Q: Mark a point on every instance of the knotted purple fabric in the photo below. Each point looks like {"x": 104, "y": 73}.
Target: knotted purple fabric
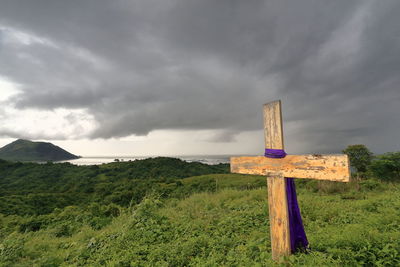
{"x": 275, "y": 153}
{"x": 298, "y": 238}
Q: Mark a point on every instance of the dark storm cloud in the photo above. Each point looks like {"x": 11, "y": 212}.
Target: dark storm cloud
{"x": 35, "y": 136}
{"x": 139, "y": 66}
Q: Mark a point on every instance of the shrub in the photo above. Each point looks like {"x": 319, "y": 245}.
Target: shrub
{"x": 387, "y": 167}
{"x": 370, "y": 184}
{"x": 31, "y": 225}
{"x": 63, "y": 230}
{"x": 360, "y": 156}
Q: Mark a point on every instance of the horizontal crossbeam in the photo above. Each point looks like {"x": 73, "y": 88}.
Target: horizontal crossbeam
{"x": 319, "y": 167}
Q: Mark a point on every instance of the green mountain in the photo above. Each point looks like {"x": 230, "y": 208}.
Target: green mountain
{"x": 25, "y": 150}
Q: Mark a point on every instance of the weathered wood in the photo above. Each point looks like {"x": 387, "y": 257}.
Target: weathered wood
{"x": 277, "y": 199}
{"x": 273, "y": 129}
{"x": 319, "y": 167}
{"x": 278, "y": 217}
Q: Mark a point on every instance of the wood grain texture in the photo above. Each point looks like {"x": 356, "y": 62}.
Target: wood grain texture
{"x": 277, "y": 199}
{"x": 273, "y": 129}
{"x": 319, "y": 167}
{"x": 278, "y": 217}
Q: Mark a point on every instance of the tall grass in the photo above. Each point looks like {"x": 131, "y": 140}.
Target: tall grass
{"x": 347, "y": 225}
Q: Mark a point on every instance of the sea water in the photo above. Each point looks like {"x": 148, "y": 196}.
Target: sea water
{"x": 96, "y": 160}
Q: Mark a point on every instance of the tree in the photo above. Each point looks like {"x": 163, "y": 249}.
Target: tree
{"x": 387, "y": 166}
{"x": 360, "y": 157}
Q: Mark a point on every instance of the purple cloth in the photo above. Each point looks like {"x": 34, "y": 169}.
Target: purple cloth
{"x": 298, "y": 238}
{"x": 275, "y": 153}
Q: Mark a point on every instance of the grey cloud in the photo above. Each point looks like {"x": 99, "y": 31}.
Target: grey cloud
{"x": 33, "y": 136}
{"x": 139, "y": 66}
{"x": 224, "y": 136}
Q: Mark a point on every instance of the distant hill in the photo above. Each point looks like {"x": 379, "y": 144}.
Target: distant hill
{"x": 25, "y": 150}
{"x": 32, "y": 188}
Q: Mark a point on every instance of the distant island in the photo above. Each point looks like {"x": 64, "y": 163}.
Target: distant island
{"x": 25, "y": 150}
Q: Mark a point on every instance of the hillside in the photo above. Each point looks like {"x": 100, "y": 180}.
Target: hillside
{"x": 227, "y": 227}
{"x": 167, "y": 212}
{"x": 31, "y": 188}
{"x": 25, "y": 150}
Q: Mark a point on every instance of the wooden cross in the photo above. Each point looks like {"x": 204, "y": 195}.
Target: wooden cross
{"x": 320, "y": 167}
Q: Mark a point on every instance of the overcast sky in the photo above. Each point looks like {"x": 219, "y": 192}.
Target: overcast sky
{"x": 170, "y": 77}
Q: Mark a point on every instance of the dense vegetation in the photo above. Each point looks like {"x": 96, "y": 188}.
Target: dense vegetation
{"x": 167, "y": 212}
{"x": 25, "y": 150}
{"x": 31, "y": 188}
{"x": 384, "y": 167}
{"x": 360, "y": 157}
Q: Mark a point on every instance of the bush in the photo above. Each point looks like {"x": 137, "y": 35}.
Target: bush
{"x": 63, "y": 230}
{"x": 31, "y": 225}
{"x": 386, "y": 167}
{"x": 360, "y": 157}
{"x": 370, "y": 184}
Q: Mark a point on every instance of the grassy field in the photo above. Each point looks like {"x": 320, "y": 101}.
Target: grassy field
{"x": 356, "y": 224}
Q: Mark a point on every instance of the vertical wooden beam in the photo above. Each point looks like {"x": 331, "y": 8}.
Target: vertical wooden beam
{"x": 277, "y": 199}
{"x": 273, "y": 129}
{"x": 278, "y": 217}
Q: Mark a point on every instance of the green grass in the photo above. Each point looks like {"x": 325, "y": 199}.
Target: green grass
{"x": 228, "y": 180}
{"x": 354, "y": 224}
